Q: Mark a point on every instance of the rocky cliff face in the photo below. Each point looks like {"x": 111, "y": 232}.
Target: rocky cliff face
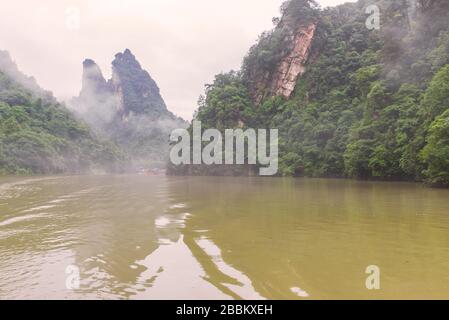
{"x": 280, "y": 80}
{"x": 294, "y": 64}
{"x": 96, "y": 101}
{"x": 93, "y": 80}
{"x": 130, "y": 91}
{"x": 137, "y": 91}
{"x": 128, "y": 108}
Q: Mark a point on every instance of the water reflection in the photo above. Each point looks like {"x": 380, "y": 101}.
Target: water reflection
{"x": 221, "y": 238}
{"x": 300, "y": 239}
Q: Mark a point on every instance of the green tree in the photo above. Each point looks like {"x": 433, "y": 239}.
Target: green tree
{"x": 436, "y": 153}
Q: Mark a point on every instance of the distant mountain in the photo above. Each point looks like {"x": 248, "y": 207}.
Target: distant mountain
{"x": 127, "y": 108}
{"x": 39, "y": 135}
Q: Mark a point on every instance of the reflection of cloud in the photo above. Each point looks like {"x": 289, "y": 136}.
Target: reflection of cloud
{"x": 299, "y": 292}
{"x": 174, "y": 273}
{"x": 162, "y": 222}
{"x": 245, "y": 288}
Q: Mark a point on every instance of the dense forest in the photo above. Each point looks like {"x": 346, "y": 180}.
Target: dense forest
{"x": 40, "y": 136}
{"x": 371, "y": 103}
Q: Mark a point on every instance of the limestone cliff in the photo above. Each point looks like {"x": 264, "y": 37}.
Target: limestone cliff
{"x": 93, "y": 80}
{"x": 128, "y": 108}
{"x": 137, "y": 91}
{"x": 279, "y": 78}
{"x": 131, "y": 90}
{"x": 294, "y": 65}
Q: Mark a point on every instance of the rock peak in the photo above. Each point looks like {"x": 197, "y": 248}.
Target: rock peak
{"x": 93, "y": 80}
{"x": 139, "y": 92}
{"x": 126, "y": 55}
{"x": 130, "y": 91}
{"x": 127, "y": 108}
{"x": 88, "y": 63}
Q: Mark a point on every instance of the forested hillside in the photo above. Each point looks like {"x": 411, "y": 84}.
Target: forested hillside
{"x": 348, "y": 101}
{"x": 40, "y": 136}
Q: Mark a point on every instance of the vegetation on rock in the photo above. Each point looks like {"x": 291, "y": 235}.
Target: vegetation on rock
{"x": 371, "y": 104}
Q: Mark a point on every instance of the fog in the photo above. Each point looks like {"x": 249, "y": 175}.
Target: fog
{"x": 182, "y": 44}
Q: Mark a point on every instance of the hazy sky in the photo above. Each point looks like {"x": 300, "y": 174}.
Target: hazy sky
{"x": 181, "y": 43}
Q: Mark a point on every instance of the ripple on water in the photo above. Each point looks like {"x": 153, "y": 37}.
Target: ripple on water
{"x": 39, "y": 208}
{"x": 16, "y": 189}
{"x": 172, "y": 220}
{"x": 22, "y": 218}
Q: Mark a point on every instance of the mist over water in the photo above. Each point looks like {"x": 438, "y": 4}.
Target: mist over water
{"x": 143, "y": 237}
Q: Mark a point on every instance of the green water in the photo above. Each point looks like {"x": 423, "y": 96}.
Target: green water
{"x": 137, "y": 237}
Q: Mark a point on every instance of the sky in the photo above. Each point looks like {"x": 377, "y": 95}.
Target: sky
{"x": 181, "y": 43}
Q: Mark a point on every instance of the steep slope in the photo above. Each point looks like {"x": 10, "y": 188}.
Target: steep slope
{"x": 275, "y": 63}
{"x": 138, "y": 92}
{"x": 128, "y": 109}
{"x": 9, "y": 68}
{"x": 38, "y": 135}
{"x": 348, "y": 101}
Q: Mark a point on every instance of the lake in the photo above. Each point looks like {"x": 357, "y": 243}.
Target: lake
{"x": 138, "y": 237}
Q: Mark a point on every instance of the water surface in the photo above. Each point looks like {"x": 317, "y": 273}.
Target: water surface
{"x": 137, "y": 237}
